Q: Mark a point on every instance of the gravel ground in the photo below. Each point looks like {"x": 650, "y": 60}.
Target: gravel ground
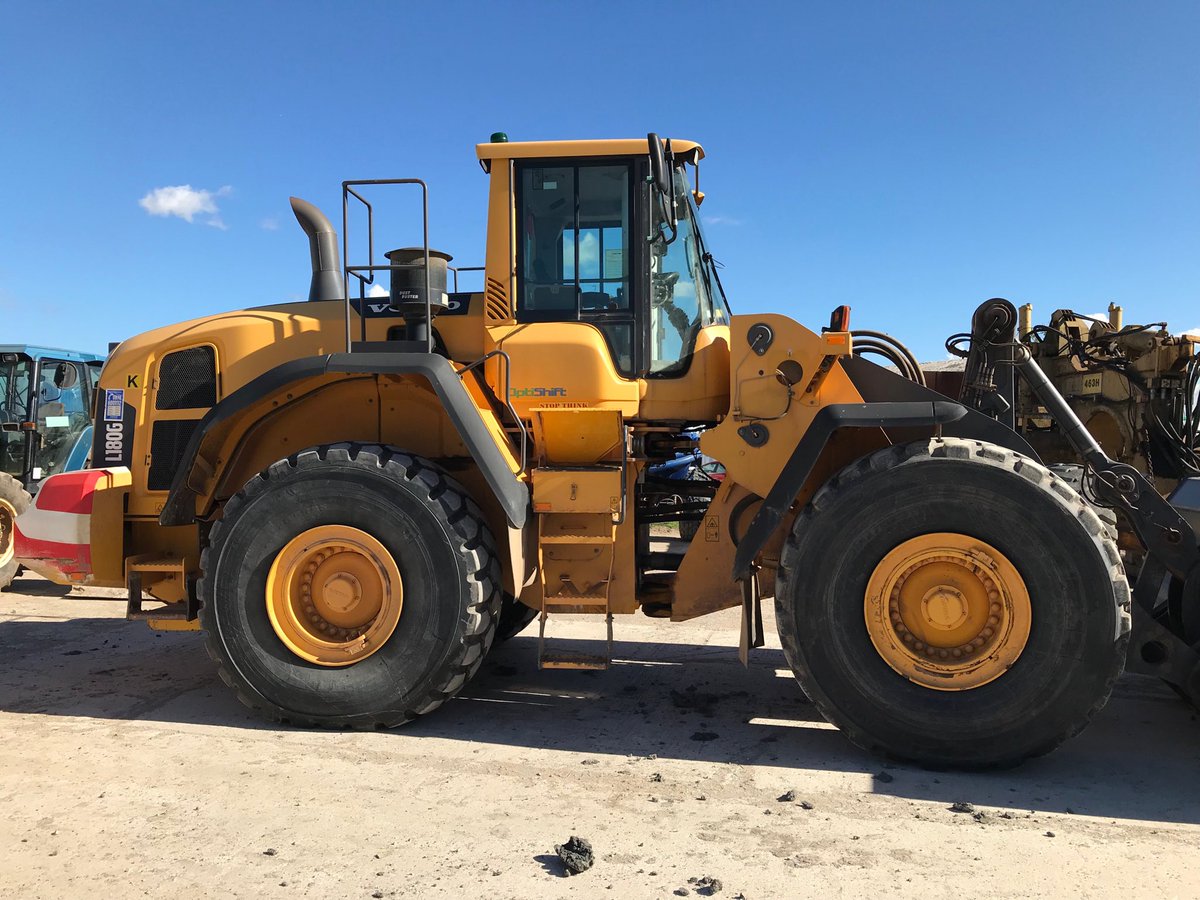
{"x": 127, "y": 769}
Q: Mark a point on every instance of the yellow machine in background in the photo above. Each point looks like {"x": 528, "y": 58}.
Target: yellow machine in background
{"x": 1133, "y": 386}
{"x": 353, "y": 496}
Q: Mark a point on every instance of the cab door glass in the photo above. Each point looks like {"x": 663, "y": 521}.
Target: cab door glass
{"x": 61, "y": 417}
{"x": 573, "y": 250}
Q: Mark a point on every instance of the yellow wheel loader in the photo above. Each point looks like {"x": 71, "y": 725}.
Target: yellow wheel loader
{"x": 352, "y": 496}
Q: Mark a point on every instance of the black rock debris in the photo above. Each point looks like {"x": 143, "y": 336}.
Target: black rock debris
{"x": 576, "y": 854}
{"x": 706, "y": 885}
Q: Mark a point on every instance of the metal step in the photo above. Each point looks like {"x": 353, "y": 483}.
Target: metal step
{"x": 138, "y": 566}
{"x": 565, "y": 538}
{"x": 571, "y": 659}
{"x": 591, "y": 598}
{"x": 570, "y": 608}
{"x": 568, "y": 659}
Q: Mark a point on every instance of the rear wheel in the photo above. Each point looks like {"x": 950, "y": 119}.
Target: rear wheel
{"x": 954, "y": 604}
{"x": 14, "y": 500}
{"x": 349, "y": 586}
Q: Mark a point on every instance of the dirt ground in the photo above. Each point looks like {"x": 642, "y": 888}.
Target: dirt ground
{"x": 127, "y": 769}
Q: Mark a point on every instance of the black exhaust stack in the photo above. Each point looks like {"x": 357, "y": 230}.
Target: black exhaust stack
{"x": 327, "y": 281}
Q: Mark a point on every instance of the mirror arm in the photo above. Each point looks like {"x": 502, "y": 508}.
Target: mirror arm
{"x": 670, "y": 161}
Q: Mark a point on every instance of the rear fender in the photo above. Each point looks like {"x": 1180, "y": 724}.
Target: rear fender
{"x": 228, "y": 429}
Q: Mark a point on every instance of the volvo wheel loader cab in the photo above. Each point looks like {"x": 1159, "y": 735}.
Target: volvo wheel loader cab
{"x": 349, "y": 494}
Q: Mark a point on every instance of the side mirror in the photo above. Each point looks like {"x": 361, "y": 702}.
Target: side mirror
{"x": 658, "y": 164}
{"x": 65, "y": 376}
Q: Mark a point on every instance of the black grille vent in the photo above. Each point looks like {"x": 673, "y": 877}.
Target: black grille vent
{"x": 187, "y": 379}
{"x": 167, "y": 444}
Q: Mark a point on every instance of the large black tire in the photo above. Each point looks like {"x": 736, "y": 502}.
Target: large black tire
{"x": 688, "y": 529}
{"x": 447, "y": 560}
{"x": 1073, "y": 475}
{"x": 15, "y": 496}
{"x": 1079, "y": 603}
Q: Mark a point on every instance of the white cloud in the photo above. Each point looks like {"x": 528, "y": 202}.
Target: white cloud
{"x": 589, "y": 252}
{"x": 721, "y": 220}
{"x": 186, "y": 202}
{"x": 1192, "y": 333}
{"x": 377, "y": 290}
{"x": 270, "y": 223}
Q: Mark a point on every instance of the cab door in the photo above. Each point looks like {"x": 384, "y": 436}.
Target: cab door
{"x": 580, "y": 282}
{"x": 63, "y": 424}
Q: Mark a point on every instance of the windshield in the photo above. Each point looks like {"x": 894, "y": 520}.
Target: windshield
{"x": 682, "y": 285}
{"x": 721, "y": 312}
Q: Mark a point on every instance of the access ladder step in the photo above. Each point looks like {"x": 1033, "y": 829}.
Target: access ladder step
{"x": 137, "y": 567}
{"x": 565, "y": 538}
{"x": 555, "y": 658}
{"x": 566, "y": 659}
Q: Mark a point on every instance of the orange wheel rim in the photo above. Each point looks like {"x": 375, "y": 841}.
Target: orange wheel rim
{"x": 8, "y": 520}
{"x": 334, "y": 595}
{"x": 948, "y": 611}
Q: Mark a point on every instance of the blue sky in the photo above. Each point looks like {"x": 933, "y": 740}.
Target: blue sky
{"x": 908, "y": 159}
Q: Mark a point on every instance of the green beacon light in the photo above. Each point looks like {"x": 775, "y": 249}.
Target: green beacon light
{"x": 499, "y": 137}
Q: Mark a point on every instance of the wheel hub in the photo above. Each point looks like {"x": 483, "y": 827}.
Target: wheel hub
{"x": 343, "y": 592}
{"x": 334, "y": 595}
{"x": 944, "y": 607}
{"x": 947, "y": 611}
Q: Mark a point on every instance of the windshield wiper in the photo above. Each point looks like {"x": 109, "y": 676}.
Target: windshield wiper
{"x": 712, "y": 265}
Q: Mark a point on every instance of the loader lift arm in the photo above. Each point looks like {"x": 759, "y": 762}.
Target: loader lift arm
{"x": 1161, "y": 643}
{"x": 1170, "y": 542}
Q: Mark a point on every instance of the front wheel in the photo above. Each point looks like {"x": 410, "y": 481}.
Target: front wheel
{"x": 349, "y": 585}
{"x": 14, "y": 500}
{"x": 954, "y": 604}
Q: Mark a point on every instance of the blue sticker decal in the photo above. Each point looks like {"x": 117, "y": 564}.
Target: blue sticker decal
{"x": 114, "y": 404}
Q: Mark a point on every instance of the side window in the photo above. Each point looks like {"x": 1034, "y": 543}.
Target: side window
{"x": 62, "y": 416}
{"x": 573, "y": 249}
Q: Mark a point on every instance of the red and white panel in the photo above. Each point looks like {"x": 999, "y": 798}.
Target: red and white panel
{"x": 54, "y": 536}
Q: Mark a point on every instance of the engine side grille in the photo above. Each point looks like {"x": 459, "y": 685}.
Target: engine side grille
{"x": 187, "y": 379}
{"x": 167, "y": 443}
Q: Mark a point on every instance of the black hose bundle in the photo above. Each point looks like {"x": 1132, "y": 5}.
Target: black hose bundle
{"x": 879, "y": 344}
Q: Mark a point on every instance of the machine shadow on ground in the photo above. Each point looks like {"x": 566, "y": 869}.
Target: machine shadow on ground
{"x": 692, "y": 703}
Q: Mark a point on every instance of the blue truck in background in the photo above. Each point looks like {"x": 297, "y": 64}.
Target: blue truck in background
{"x": 47, "y": 398}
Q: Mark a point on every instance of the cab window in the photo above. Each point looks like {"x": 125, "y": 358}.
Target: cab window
{"x": 62, "y": 416}
{"x": 573, "y": 249}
